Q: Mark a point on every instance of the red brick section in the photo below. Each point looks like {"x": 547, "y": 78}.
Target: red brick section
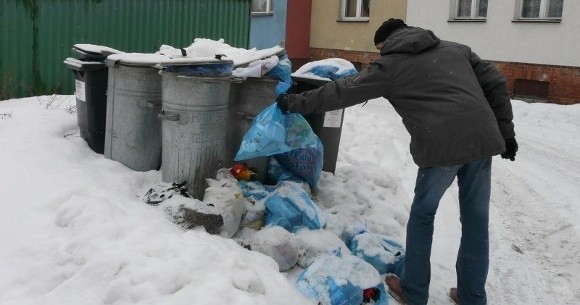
{"x": 564, "y": 81}
{"x": 564, "y": 87}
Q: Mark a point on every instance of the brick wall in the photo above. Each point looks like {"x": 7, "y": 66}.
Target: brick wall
{"x": 563, "y": 87}
{"x": 563, "y": 82}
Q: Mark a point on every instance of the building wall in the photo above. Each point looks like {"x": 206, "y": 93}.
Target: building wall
{"x": 525, "y": 52}
{"x": 267, "y": 31}
{"x": 562, "y": 82}
{"x": 328, "y": 33}
{"x": 298, "y": 32}
{"x": 501, "y": 39}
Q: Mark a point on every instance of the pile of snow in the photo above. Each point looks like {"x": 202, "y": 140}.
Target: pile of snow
{"x": 340, "y": 67}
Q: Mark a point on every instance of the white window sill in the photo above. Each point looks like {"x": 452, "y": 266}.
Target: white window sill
{"x": 467, "y": 20}
{"x": 538, "y": 20}
{"x": 353, "y": 19}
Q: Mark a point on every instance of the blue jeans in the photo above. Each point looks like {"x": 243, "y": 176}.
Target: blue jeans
{"x": 474, "y": 181}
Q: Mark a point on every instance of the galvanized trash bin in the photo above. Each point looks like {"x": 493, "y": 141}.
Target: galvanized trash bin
{"x": 247, "y": 99}
{"x": 327, "y": 126}
{"x": 133, "y": 132}
{"x": 194, "y": 128}
{"x": 91, "y": 75}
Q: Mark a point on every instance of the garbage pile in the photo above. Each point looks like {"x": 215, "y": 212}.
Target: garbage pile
{"x": 280, "y": 219}
{"x": 232, "y": 163}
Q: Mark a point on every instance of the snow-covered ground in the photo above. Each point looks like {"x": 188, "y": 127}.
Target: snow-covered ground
{"x": 74, "y": 230}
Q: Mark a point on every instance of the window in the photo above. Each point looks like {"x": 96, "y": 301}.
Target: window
{"x": 261, "y": 7}
{"x": 462, "y": 10}
{"x": 539, "y": 9}
{"x": 355, "y": 10}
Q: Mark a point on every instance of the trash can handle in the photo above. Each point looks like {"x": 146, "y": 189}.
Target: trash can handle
{"x": 149, "y": 104}
{"x": 168, "y": 117}
{"x": 237, "y": 79}
{"x": 244, "y": 116}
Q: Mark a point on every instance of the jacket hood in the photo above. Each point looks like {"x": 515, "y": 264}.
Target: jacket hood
{"x": 409, "y": 40}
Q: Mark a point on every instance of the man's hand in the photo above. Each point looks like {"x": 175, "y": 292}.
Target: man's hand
{"x": 511, "y": 147}
{"x": 282, "y": 101}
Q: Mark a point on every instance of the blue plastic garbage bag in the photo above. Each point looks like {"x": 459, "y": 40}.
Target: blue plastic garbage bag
{"x": 278, "y": 173}
{"x": 266, "y": 136}
{"x": 381, "y": 251}
{"x": 307, "y": 159}
{"x": 335, "y": 280}
{"x": 331, "y": 72}
{"x": 275, "y": 133}
{"x": 255, "y": 190}
{"x": 304, "y": 162}
{"x": 282, "y": 71}
{"x": 290, "y": 207}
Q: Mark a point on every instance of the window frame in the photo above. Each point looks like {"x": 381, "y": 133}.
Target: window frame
{"x": 454, "y": 12}
{"x": 542, "y": 15}
{"x": 269, "y": 9}
{"x": 342, "y": 13}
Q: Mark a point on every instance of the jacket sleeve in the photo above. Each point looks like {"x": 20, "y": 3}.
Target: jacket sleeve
{"x": 367, "y": 84}
{"x": 495, "y": 90}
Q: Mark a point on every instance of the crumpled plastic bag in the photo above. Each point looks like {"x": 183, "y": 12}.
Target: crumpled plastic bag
{"x": 266, "y": 136}
{"x": 332, "y": 72}
{"x": 278, "y": 173}
{"x": 290, "y": 207}
{"x": 282, "y": 71}
{"x": 335, "y": 280}
{"x": 383, "y": 252}
{"x": 289, "y": 137}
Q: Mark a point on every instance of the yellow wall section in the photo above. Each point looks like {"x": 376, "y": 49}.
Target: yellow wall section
{"x": 328, "y": 33}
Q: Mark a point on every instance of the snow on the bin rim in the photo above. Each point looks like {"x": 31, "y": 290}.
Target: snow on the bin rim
{"x": 207, "y": 49}
{"x": 343, "y": 65}
{"x": 137, "y": 59}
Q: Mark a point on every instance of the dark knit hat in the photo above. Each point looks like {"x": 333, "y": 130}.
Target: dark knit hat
{"x": 387, "y": 28}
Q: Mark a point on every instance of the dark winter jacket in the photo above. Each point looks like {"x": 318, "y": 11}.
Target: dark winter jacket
{"x": 454, "y": 105}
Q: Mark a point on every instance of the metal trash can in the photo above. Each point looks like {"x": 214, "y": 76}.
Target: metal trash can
{"x": 194, "y": 128}
{"x": 247, "y": 99}
{"x": 133, "y": 131}
{"x": 327, "y": 126}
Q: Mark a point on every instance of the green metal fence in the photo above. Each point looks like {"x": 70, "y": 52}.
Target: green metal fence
{"x": 37, "y": 35}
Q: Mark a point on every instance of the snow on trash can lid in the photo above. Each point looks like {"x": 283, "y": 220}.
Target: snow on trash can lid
{"x": 136, "y": 59}
{"x": 326, "y": 69}
{"x": 94, "y": 51}
{"x": 207, "y": 48}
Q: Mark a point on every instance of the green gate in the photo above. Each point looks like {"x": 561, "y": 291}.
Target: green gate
{"x": 37, "y": 35}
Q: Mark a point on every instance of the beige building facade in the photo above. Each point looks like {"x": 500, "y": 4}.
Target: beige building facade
{"x": 345, "y": 28}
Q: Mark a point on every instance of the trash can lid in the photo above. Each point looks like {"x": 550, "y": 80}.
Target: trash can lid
{"x": 91, "y": 51}
{"x": 197, "y": 61}
{"x": 136, "y": 59}
{"x": 201, "y": 67}
{"x": 83, "y": 65}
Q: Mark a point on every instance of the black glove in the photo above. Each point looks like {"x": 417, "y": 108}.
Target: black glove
{"x": 282, "y": 101}
{"x": 511, "y": 147}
